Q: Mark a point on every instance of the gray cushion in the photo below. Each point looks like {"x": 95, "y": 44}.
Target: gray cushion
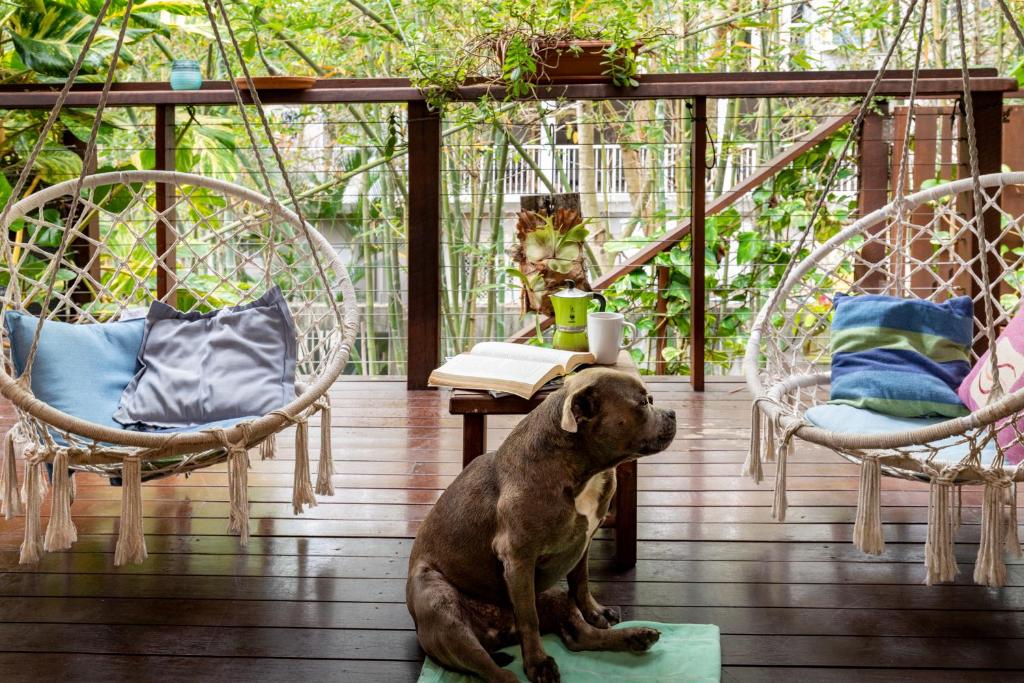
{"x": 204, "y": 367}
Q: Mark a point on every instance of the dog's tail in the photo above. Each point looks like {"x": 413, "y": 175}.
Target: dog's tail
{"x": 502, "y": 659}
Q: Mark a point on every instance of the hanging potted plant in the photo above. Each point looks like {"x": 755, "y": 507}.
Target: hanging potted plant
{"x": 523, "y": 47}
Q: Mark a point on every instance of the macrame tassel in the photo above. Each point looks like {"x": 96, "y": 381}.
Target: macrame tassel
{"x": 989, "y": 568}
{"x": 238, "y": 494}
{"x": 779, "y": 504}
{"x": 60, "y": 532}
{"x": 10, "y": 497}
{"x": 867, "y": 529}
{"x": 325, "y": 470}
{"x": 268, "y": 449}
{"x": 939, "y": 555}
{"x": 769, "y": 440}
{"x": 1012, "y": 532}
{"x": 32, "y": 546}
{"x": 131, "y": 542}
{"x": 302, "y": 487}
{"x": 958, "y": 508}
{"x": 752, "y": 465}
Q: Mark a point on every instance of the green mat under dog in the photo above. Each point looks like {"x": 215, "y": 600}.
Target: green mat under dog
{"x": 685, "y": 652}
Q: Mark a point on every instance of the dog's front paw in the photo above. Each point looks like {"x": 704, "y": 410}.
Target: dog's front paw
{"x": 543, "y": 671}
{"x": 600, "y": 616}
{"x": 641, "y": 639}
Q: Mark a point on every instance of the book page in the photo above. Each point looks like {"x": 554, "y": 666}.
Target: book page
{"x": 473, "y": 371}
{"x": 564, "y": 359}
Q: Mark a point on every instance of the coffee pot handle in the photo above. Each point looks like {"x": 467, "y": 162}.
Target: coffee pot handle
{"x": 602, "y": 302}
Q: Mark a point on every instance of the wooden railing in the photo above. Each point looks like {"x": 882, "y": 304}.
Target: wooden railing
{"x": 424, "y": 156}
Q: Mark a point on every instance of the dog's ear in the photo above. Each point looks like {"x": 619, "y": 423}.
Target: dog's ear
{"x": 579, "y": 406}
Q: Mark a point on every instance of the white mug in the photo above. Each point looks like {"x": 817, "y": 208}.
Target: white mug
{"x": 604, "y": 334}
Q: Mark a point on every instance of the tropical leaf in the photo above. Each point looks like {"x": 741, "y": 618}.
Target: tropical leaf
{"x": 50, "y": 42}
{"x": 56, "y": 164}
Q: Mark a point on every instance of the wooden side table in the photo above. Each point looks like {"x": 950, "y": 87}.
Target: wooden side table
{"x": 475, "y": 406}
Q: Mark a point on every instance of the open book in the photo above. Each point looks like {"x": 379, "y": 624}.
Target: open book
{"x": 514, "y": 368}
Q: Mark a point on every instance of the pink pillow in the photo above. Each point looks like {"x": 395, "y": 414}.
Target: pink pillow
{"x": 976, "y": 388}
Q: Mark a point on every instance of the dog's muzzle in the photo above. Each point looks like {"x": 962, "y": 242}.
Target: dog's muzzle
{"x": 666, "y": 433}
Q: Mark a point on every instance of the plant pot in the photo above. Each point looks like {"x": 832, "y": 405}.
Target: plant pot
{"x": 570, "y": 60}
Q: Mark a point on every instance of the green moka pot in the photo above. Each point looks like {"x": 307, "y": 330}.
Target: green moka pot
{"x": 571, "y": 306}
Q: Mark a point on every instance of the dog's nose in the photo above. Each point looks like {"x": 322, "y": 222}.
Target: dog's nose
{"x": 671, "y": 414}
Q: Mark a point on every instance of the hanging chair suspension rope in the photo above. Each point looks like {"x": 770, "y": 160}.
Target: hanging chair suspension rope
{"x": 76, "y": 196}
{"x": 858, "y": 121}
{"x": 904, "y": 167}
{"x": 44, "y": 133}
{"x": 979, "y": 207}
{"x": 268, "y": 131}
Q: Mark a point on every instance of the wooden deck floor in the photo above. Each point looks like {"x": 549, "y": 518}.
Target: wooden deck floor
{"x": 320, "y": 597}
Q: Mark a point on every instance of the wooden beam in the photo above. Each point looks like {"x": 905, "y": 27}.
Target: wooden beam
{"x": 698, "y": 245}
{"x": 424, "y": 212}
{"x": 656, "y": 86}
{"x": 873, "y": 181}
{"x": 166, "y": 233}
{"x": 83, "y": 248}
{"x": 661, "y": 325}
{"x": 988, "y": 124}
{"x": 672, "y": 238}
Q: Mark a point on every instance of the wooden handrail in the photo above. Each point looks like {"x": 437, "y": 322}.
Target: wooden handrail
{"x": 936, "y": 83}
{"x": 672, "y": 238}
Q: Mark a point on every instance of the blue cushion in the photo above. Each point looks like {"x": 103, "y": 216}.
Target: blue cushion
{"x": 849, "y": 420}
{"x": 78, "y": 369}
{"x": 903, "y": 357}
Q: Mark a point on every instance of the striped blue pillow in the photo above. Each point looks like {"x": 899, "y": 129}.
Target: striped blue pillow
{"x": 903, "y": 357}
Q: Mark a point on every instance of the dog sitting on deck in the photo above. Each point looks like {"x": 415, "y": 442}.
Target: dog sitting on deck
{"x": 486, "y": 561}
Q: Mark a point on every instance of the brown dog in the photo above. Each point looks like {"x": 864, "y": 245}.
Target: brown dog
{"x": 485, "y": 563}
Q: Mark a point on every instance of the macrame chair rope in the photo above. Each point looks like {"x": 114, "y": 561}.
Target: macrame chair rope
{"x": 331, "y": 301}
{"x": 788, "y": 352}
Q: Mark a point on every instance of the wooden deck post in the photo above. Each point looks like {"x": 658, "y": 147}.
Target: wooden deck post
{"x": 424, "y": 318}
{"x": 661, "y": 281}
{"x": 166, "y": 235}
{"x": 873, "y": 183}
{"x": 988, "y": 124}
{"x": 83, "y": 249}
{"x": 698, "y": 188}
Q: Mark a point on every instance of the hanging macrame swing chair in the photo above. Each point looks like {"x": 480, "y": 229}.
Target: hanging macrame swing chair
{"x": 938, "y": 243}
{"x": 229, "y": 243}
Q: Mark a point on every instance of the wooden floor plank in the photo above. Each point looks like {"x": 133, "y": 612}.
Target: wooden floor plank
{"x": 321, "y": 596}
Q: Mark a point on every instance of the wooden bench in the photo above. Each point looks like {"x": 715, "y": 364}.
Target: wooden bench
{"x": 475, "y": 406}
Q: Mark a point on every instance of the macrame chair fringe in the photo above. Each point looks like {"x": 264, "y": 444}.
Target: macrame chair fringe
{"x": 32, "y": 545}
{"x": 867, "y": 529}
{"x": 131, "y": 542}
{"x": 268, "y": 448}
{"x": 238, "y": 493}
{"x": 61, "y": 531}
{"x": 325, "y": 470}
{"x": 752, "y": 465}
{"x": 302, "y": 486}
{"x": 779, "y": 501}
{"x": 989, "y": 568}
{"x": 939, "y": 554}
{"x": 1012, "y": 531}
{"x": 10, "y": 496}
{"x": 769, "y": 441}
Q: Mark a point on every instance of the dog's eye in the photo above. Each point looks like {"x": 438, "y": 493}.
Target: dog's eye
{"x": 647, "y": 400}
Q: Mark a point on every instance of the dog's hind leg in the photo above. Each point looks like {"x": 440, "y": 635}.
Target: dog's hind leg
{"x": 445, "y": 632}
{"x": 559, "y": 614}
